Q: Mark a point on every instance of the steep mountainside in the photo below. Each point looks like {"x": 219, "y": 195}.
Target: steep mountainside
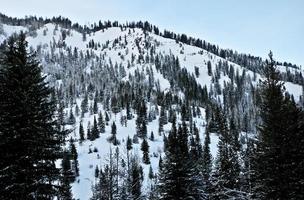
{"x": 118, "y": 71}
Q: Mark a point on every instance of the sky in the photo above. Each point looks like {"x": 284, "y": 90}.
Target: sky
{"x": 248, "y": 26}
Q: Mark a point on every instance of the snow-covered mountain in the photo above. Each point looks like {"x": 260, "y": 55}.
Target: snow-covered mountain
{"x": 121, "y": 60}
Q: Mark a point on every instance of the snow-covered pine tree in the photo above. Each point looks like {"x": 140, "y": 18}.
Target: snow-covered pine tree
{"x": 227, "y": 173}
{"x": 279, "y": 143}
{"x": 30, "y": 140}
{"x": 101, "y": 123}
{"x": 145, "y": 150}
{"x": 178, "y": 178}
{"x": 81, "y": 133}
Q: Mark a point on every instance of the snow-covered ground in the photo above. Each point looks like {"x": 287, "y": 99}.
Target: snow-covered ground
{"x": 189, "y": 57}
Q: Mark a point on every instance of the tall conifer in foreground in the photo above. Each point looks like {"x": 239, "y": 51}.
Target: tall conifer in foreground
{"x": 280, "y": 144}
{"x": 30, "y": 142}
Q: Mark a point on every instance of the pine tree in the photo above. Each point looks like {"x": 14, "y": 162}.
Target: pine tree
{"x": 113, "y": 137}
{"x": 96, "y": 174}
{"x": 102, "y": 189}
{"x": 151, "y": 174}
{"x": 248, "y": 155}
{"x": 160, "y": 127}
{"x": 74, "y": 157}
{"x": 152, "y": 136}
{"x": 178, "y": 177}
{"x": 209, "y": 68}
{"x": 107, "y": 118}
{"x": 65, "y": 191}
{"x": 145, "y": 149}
{"x": 95, "y": 131}
{"x": 268, "y": 169}
{"x": 206, "y": 165}
{"x": 61, "y": 114}
{"x": 81, "y": 133}
{"x": 185, "y": 112}
{"x": 89, "y": 135}
{"x": 163, "y": 116}
{"x": 71, "y": 119}
{"x": 295, "y": 166}
{"x": 128, "y": 110}
{"x": 95, "y": 107}
{"x": 141, "y": 126}
{"x": 160, "y": 163}
{"x": 77, "y": 110}
{"x": 30, "y": 140}
{"x": 84, "y": 105}
{"x": 277, "y": 158}
{"x": 129, "y": 143}
{"x": 136, "y": 181}
{"x": 195, "y": 144}
{"x": 129, "y": 147}
{"x": 101, "y": 123}
{"x": 227, "y": 173}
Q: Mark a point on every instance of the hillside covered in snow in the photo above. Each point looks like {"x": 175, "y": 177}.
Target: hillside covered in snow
{"x": 116, "y": 83}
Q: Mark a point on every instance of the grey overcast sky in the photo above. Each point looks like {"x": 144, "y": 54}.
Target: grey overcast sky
{"x": 248, "y": 26}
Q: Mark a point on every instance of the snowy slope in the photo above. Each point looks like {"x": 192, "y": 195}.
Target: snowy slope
{"x": 189, "y": 57}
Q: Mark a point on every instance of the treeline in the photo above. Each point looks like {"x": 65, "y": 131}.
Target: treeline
{"x": 248, "y": 61}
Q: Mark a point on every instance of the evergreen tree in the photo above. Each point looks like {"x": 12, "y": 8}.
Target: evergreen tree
{"x": 113, "y": 137}
{"x": 195, "y": 144}
{"x": 95, "y": 131}
{"x": 277, "y": 156}
{"x": 227, "y": 173}
{"x": 84, "y": 105}
{"x": 268, "y": 169}
{"x": 77, "y": 110}
{"x": 95, "y": 107}
{"x": 30, "y": 140}
{"x": 295, "y": 163}
{"x": 129, "y": 147}
{"x": 61, "y": 114}
{"x": 141, "y": 126}
{"x": 160, "y": 126}
{"x": 151, "y": 174}
{"x": 209, "y": 68}
{"x": 160, "y": 163}
{"x": 185, "y": 112}
{"x": 206, "y": 165}
{"x": 247, "y": 177}
{"x": 129, "y": 143}
{"x": 81, "y": 133}
{"x": 101, "y": 123}
{"x": 89, "y": 135}
{"x": 107, "y": 118}
{"x": 178, "y": 179}
{"x": 135, "y": 179}
{"x": 102, "y": 190}
{"x": 65, "y": 192}
{"x": 162, "y": 119}
{"x": 74, "y": 157}
{"x": 128, "y": 110}
{"x": 71, "y": 119}
{"x": 96, "y": 172}
{"x": 145, "y": 149}
{"x": 152, "y": 136}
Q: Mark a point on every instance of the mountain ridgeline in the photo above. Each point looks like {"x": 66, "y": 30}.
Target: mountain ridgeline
{"x": 130, "y": 112}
